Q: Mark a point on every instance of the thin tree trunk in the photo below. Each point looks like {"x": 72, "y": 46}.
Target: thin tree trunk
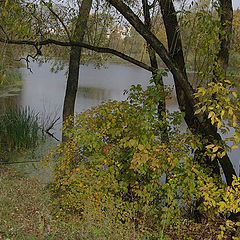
{"x": 74, "y": 62}
{"x": 154, "y": 64}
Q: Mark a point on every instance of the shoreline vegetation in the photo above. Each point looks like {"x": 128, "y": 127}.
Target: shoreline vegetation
{"x": 10, "y": 78}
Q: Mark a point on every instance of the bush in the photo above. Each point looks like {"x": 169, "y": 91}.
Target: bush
{"x": 114, "y": 163}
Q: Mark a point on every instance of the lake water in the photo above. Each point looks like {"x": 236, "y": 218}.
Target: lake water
{"x": 44, "y": 90}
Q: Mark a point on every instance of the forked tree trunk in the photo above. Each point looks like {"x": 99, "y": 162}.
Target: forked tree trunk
{"x": 199, "y": 123}
{"x": 74, "y": 62}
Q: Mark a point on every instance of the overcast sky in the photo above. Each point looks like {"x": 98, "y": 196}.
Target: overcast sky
{"x": 236, "y": 4}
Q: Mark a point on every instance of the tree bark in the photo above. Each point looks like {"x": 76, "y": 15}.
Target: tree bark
{"x": 74, "y": 62}
{"x": 199, "y": 123}
{"x": 226, "y": 35}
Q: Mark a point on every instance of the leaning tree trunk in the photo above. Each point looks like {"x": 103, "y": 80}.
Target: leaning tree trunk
{"x": 199, "y": 123}
{"x": 74, "y": 62}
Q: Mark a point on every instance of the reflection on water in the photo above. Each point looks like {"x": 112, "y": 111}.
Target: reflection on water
{"x": 99, "y": 94}
{"x": 5, "y": 102}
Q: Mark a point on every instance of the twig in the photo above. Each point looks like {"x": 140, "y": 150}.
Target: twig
{"x": 4, "y": 32}
{"x": 52, "y": 125}
{"x": 38, "y": 53}
{"x": 59, "y": 19}
{"x": 50, "y": 134}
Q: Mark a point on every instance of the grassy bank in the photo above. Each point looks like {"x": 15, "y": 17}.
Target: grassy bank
{"x": 25, "y": 213}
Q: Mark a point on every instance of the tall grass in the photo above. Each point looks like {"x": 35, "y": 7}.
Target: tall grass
{"x": 19, "y": 128}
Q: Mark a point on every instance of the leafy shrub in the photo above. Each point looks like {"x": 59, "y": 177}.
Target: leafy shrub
{"x": 114, "y": 163}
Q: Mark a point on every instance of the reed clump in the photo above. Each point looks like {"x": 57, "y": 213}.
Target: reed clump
{"x": 19, "y": 129}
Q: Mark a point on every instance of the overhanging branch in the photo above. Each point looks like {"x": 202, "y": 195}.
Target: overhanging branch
{"x": 83, "y": 45}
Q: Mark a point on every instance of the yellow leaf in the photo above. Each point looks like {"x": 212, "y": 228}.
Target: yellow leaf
{"x": 223, "y": 154}
{"x": 210, "y": 146}
{"x": 238, "y": 224}
{"x": 234, "y": 121}
{"x": 234, "y": 147}
{"x": 219, "y": 124}
{"x": 227, "y": 81}
{"x": 234, "y": 118}
{"x": 6, "y": 3}
{"x": 222, "y": 113}
{"x": 198, "y": 111}
{"x": 140, "y": 147}
{"x": 215, "y": 149}
{"x": 234, "y": 94}
{"x": 212, "y": 120}
{"x": 211, "y": 114}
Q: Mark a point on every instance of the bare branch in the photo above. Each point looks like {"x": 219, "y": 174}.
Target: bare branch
{"x": 38, "y": 53}
{"x": 52, "y": 125}
{"x": 84, "y": 45}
